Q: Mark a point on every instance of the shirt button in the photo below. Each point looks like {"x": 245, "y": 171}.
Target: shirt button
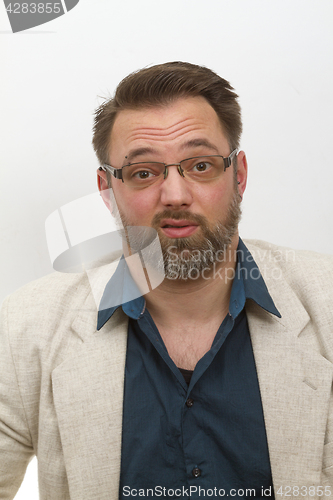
{"x": 196, "y": 472}
{"x": 189, "y": 402}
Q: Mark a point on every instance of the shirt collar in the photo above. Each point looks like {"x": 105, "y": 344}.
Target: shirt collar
{"x": 121, "y": 290}
{"x": 247, "y": 284}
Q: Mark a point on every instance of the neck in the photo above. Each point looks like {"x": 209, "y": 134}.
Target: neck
{"x": 195, "y": 300}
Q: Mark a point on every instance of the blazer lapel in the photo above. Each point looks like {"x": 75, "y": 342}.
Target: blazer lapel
{"x": 295, "y": 383}
{"x": 88, "y": 395}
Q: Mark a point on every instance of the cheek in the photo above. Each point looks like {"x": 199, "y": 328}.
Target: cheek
{"x": 216, "y": 198}
{"x": 138, "y": 206}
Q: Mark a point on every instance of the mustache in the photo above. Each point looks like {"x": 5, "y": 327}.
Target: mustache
{"x": 185, "y": 214}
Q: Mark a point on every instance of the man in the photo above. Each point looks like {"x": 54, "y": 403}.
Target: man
{"x": 215, "y": 383}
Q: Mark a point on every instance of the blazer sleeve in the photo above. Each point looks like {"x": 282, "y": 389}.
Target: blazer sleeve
{"x": 16, "y": 448}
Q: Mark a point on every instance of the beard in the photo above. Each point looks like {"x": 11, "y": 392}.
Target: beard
{"x": 186, "y": 258}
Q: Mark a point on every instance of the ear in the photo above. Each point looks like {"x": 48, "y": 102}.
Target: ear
{"x": 104, "y": 188}
{"x": 241, "y": 172}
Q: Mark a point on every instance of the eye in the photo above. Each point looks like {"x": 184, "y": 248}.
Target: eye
{"x": 143, "y": 175}
{"x": 143, "y": 171}
{"x": 201, "y": 166}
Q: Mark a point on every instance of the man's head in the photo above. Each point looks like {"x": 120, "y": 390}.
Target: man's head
{"x": 161, "y": 85}
{"x": 191, "y": 214}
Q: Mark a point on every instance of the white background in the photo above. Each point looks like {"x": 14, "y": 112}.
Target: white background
{"x": 277, "y": 54}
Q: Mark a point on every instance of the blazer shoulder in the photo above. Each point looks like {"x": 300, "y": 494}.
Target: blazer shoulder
{"x": 289, "y": 258}
{"x": 50, "y": 287}
{"x": 309, "y": 274}
{"x": 44, "y": 303}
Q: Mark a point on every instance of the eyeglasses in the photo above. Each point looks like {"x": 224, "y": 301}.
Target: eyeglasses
{"x": 198, "y": 169}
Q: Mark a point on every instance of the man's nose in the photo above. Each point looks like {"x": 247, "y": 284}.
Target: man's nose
{"x": 175, "y": 189}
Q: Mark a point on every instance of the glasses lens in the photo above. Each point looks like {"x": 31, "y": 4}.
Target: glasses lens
{"x": 142, "y": 174}
{"x": 203, "y": 168}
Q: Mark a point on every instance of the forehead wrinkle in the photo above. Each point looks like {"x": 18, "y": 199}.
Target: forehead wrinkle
{"x": 158, "y": 128}
{"x": 167, "y": 132}
{"x": 164, "y": 137}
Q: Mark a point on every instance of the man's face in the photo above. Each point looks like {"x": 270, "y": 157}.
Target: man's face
{"x": 187, "y": 215}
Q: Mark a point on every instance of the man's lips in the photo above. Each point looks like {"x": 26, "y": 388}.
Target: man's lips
{"x": 178, "y": 228}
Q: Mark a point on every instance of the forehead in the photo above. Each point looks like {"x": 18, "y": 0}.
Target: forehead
{"x": 158, "y": 128}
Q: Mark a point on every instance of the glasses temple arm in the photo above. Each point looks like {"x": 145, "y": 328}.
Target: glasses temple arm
{"x": 227, "y": 161}
{"x": 116, "y": 172}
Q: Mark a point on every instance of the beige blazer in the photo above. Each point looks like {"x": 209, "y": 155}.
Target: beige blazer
{"x": 61, "y": 381}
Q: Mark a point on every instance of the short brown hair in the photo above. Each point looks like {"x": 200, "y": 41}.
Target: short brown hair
{"x": 160, "y": 85}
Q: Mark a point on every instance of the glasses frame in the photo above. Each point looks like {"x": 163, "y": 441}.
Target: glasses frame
{"x": 118, "y": 172}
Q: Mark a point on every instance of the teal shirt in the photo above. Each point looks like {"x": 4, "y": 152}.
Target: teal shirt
{"x": 178, "y": 438}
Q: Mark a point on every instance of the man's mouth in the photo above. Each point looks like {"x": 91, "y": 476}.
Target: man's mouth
{"x": 178, "y": 228}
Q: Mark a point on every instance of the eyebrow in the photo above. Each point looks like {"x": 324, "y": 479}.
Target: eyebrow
{"x": 139, "y": 152}
{"x": 193, "y": 143}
